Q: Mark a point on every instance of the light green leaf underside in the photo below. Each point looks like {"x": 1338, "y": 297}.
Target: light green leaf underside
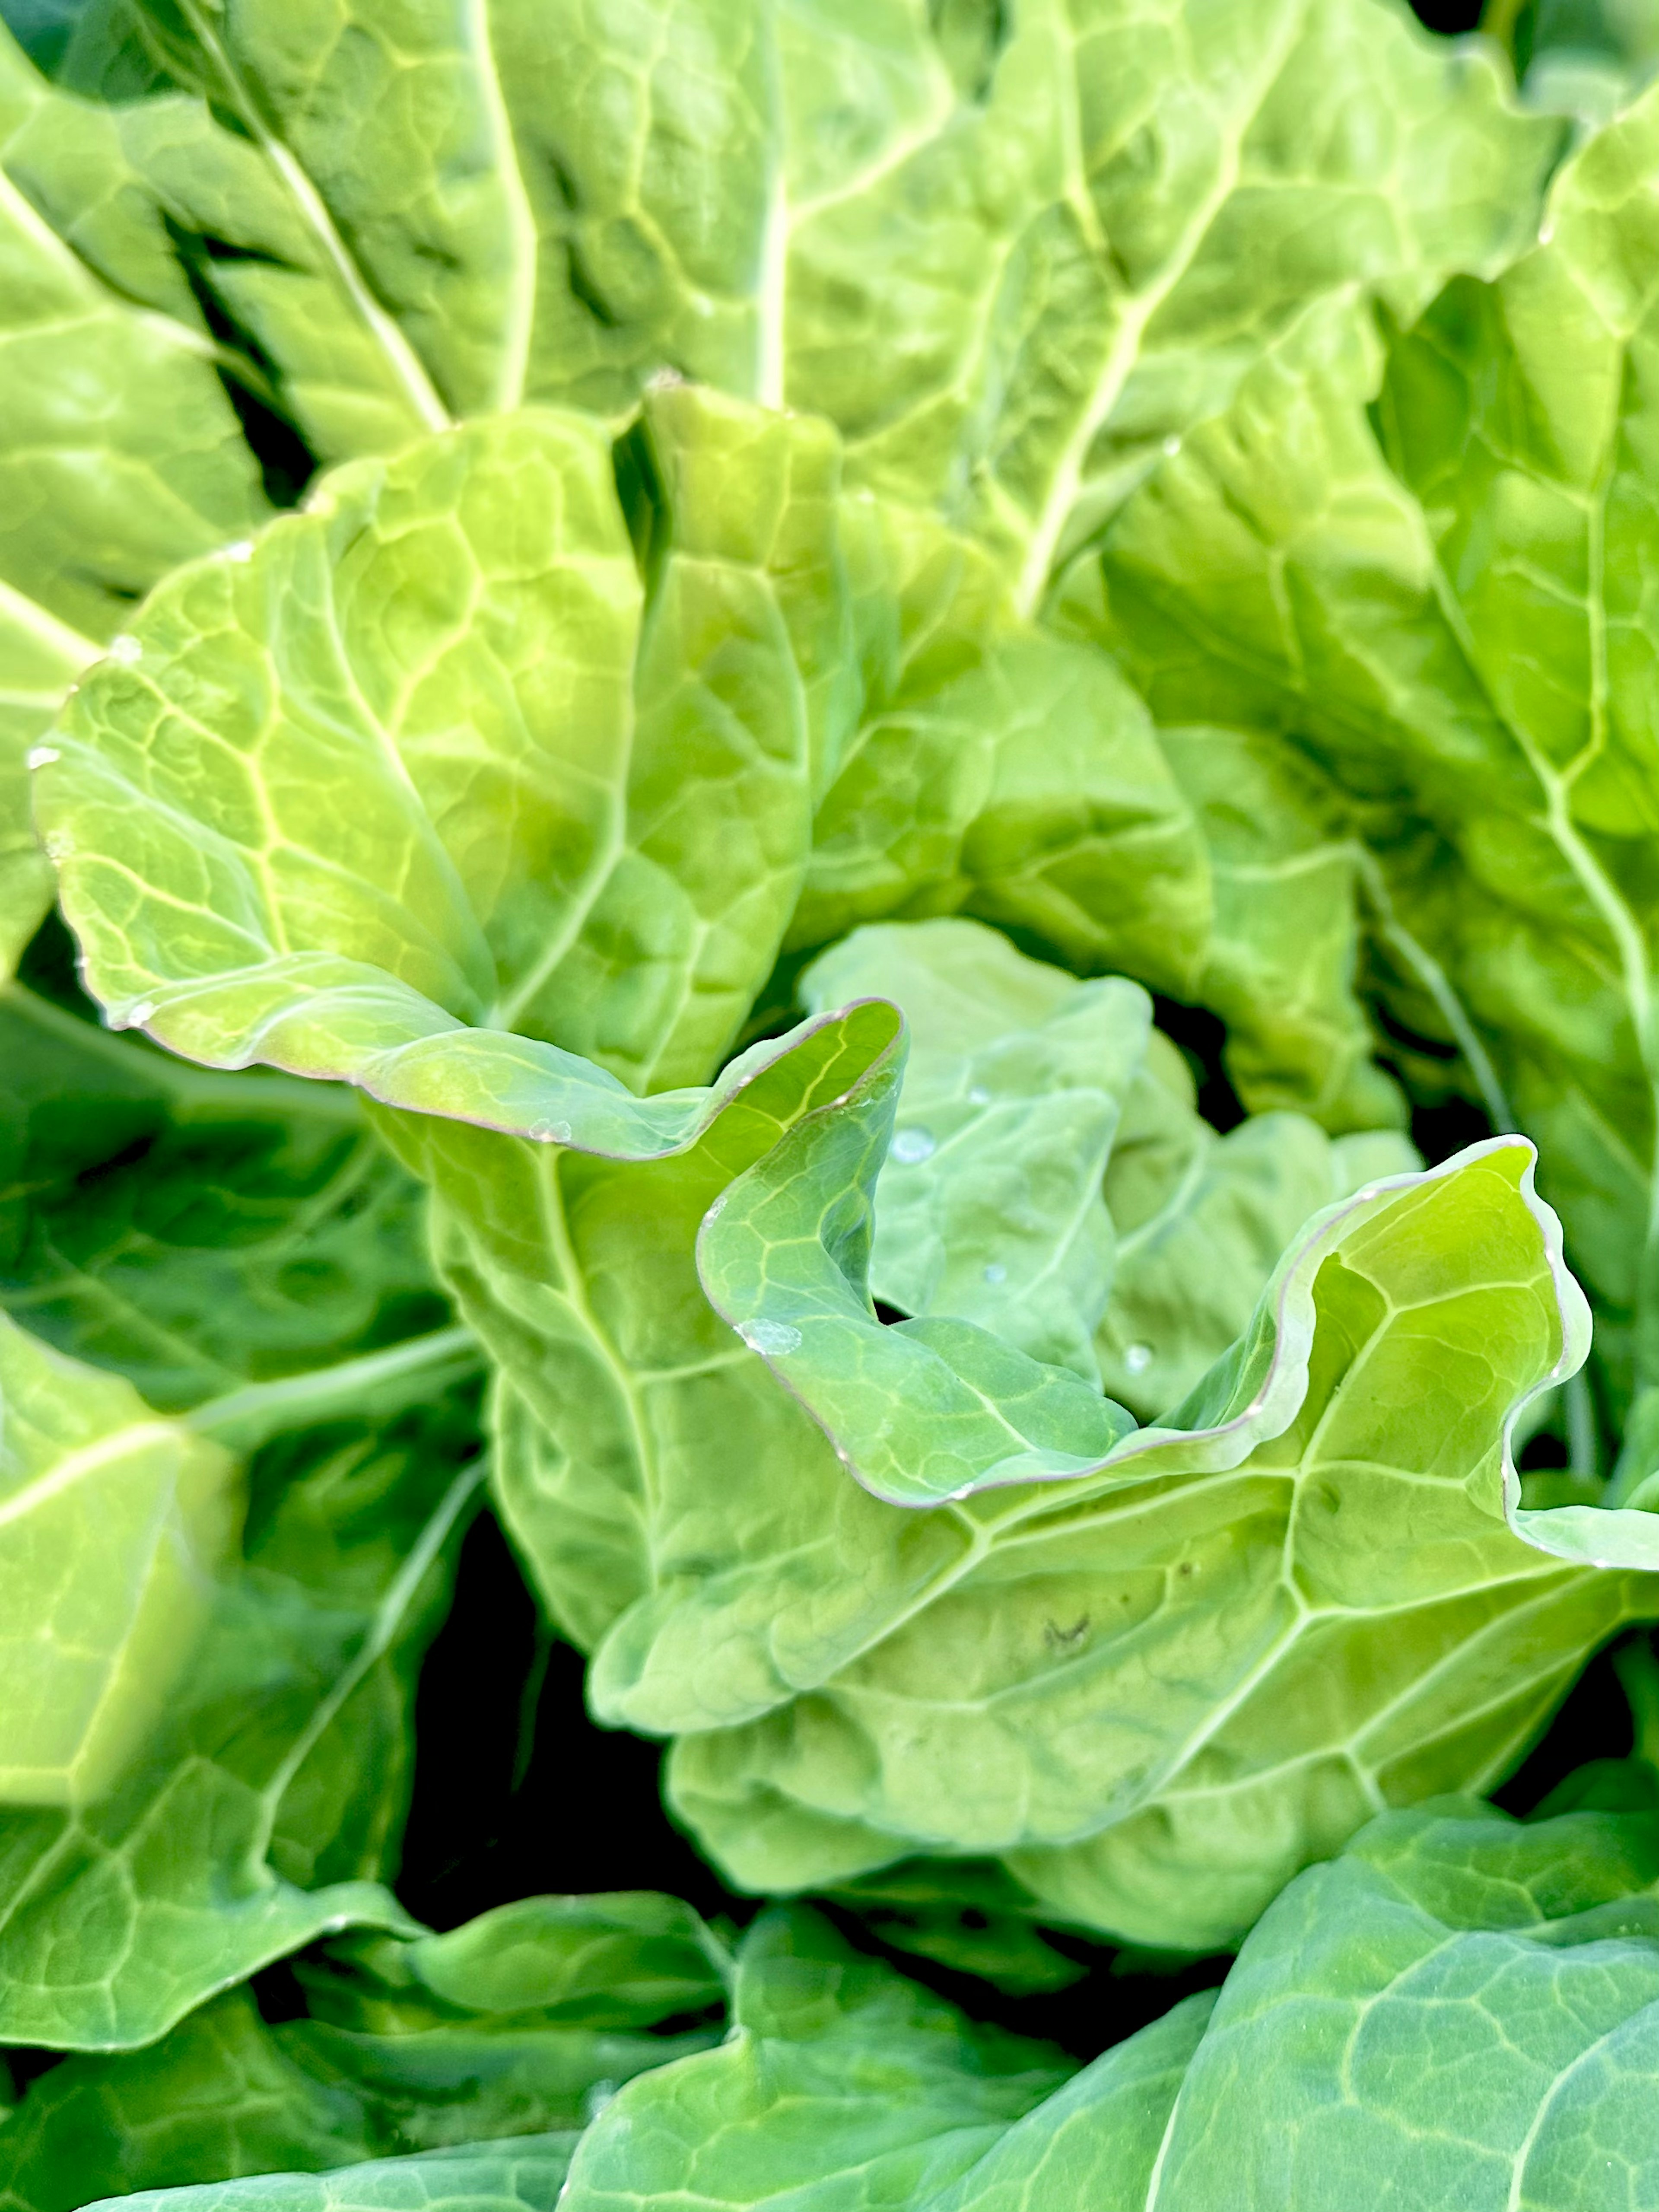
{"x": 523, "y": 2174}
{"x": 113, "y": 1525}
{"x": 388, "y": 2064}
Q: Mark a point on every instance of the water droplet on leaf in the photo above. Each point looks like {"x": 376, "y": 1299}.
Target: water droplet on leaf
{"x": 995, "y": 1272}
{"x": 913, "y": 1145}
{"x": 773, "y": 1338}
{"x": 1138, "y": 1359}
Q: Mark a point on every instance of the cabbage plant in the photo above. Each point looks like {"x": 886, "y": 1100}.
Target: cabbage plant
{"x": 853, "y": 807}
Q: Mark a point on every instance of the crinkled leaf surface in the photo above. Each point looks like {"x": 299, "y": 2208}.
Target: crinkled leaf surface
{"x": 288, "y": 828}
{"x": 1050, "y": 1177}
{"x": 1440, "y": 602}
{"x": 990, "y": 1205}
{"x": 1325, "y": 1516}
{"x": 997, "y": 771}
{"x": 523, "y": 2174}
{"x": 113, "y": 1524}
{"x": 325, "y": 796}
{"x": 842, "y": 2084}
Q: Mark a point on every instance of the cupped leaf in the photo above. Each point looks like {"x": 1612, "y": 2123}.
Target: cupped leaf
{"x": 113, "y": 1525}
{"x": 990, "y": 1202}
{"x": 523, "y": 2174}
{"x": 1314, "y": 1546}
{"x": 842, "y": 2083}
{"x": 621, "y": 1386}
{"x": 1201, "y": 1222}
{"x": 1437, "y": 600}
{"x": 1024, "y": 1093}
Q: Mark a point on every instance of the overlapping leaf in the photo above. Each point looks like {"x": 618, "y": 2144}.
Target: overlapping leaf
{"x": 1443, "y": 611}
{"x": 842, "y": 2083}
{"x": 511, "y": 2025}
{"x": 524, "y": 2174}
{"x": 237, "y": 1250}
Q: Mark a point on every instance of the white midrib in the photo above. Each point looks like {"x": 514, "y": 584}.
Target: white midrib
{"x": 407, "y": 372}
{"x": 523, "y": 239}
{"x": 29, "y": 615}
{"x": 1137, "y": 311}
{"x": 90, "y": 1460}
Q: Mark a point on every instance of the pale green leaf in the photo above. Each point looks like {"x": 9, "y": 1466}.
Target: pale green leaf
{"x": 334, "y": 890}
{"x": 113, "y": 1525}
{"x": 1322, "y": 1521}
{"x": 998, "y": 772}
{"x": 244, "y": 1829}
{"x": 989, "y": 1206}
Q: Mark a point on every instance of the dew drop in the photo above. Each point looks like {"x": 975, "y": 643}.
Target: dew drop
{"x": 141, "y": 1011}
{"x": 913, "y": 1145}
{"x": 125, "y": 649}
{"x": 241, "y": 548}
{"x": 978, "y": 1095}
{"x": 774, "y": 1337}
{"x": 41, "y": 757}
{"x": 966, "y": 1490}
{"x": 551, "y": 1133}
{"x": 1172, "y": 446}
{"x": 1547, "y": 231}
{"x": 995, "y": 1272}
{"x": 717, "y": 1208}
{"x": 1138, "y": 1359}
{"x": 59, "y": 844}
